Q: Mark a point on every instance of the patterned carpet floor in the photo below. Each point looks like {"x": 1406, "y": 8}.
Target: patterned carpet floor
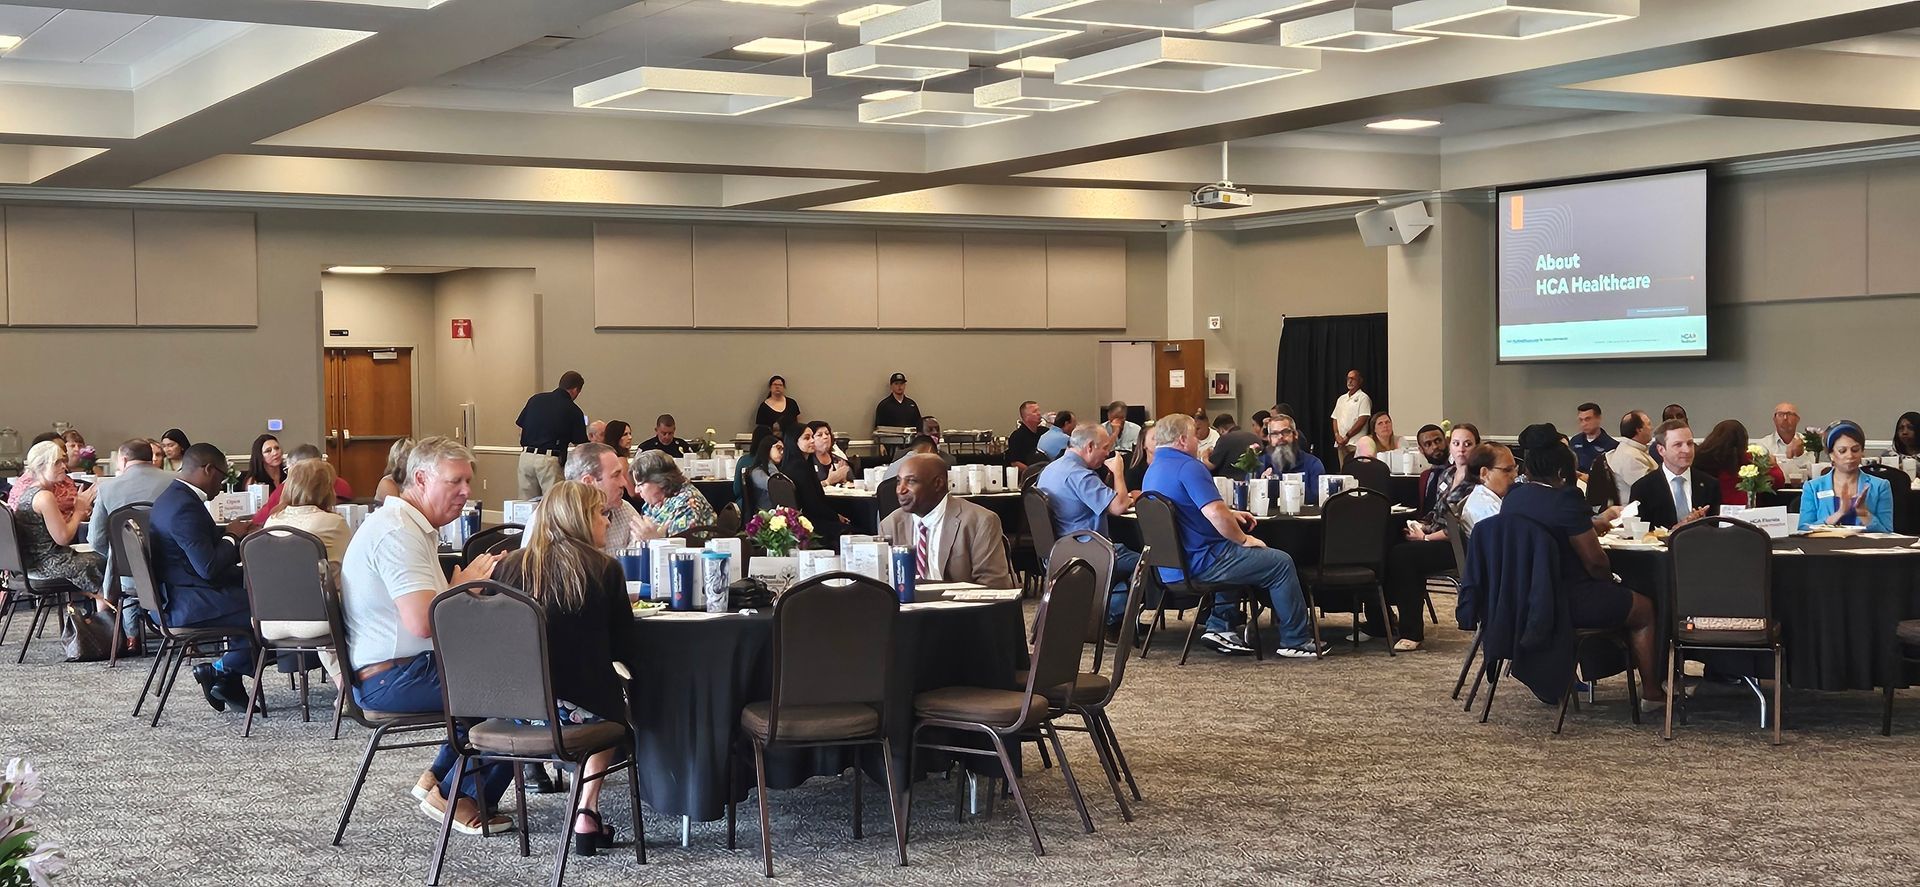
{"x": 1354, "y": 770}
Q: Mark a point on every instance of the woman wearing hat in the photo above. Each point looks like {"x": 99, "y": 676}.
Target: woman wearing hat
{"x": 1847, "y": 496}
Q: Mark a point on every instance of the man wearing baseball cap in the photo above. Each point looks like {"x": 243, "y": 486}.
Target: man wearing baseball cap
{"x": 897, "y": 410}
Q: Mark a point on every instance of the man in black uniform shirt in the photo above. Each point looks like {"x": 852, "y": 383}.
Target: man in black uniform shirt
{"x": 1023, "y": 445}
{"x": 897, "y": 410}
{"x": 663, "y": 439}
{"x": 549, "y": 423}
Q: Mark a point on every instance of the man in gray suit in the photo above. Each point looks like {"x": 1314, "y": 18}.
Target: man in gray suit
{"x": 953, "y": 540}
{"x": 135, "y": 479}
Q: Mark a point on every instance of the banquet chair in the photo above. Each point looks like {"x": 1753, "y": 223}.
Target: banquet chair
{"x": 1039, "y": 514}
{"x": 727, "y": 520}
{"x": 177, "y": 645}
{"x": 491, "y": 643}
{"x": 1722, "y": 599}
{"x": 832, "y": 657}
{"x": 780, "y": 493}
{"x": 1160, "y": 535}
{"x": 385, "y": 725}
{"x": 1902, "y": 517}
{"x": 1353, "y": 557}
{"x": 46, "y": 595}
{"x": 1457, "y": 538}
{"x": 494, "y": 540}
{"x": 1907, "y": 635}
{"x": 142, "y": 512}
{"x": 886, "y": 497}
{"x": 1000, "y": 715}
{"x": 287, "y": 578}
{"x": 1032, "y": 471}
{"x": 1371, "y": 474}
{"x": 698, "y": 537}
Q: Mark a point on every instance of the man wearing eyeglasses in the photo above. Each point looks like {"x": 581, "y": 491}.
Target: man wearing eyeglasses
{"x": 1284, "y": 456}
{"x": 1785, "y": 444}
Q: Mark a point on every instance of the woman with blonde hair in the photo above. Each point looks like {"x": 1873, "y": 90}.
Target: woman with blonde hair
{"x": 396, "y": 476}
{"x": 589, "y": 622}
{"x": 48, "y": 523}
{"x": 307, "y": 499}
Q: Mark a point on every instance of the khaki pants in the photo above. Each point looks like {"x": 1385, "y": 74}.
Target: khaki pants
{"x": 538, "y": 473}
{"x": 287, "y": 630}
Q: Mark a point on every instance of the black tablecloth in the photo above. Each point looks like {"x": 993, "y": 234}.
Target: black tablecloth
{"x": 1406, "y": 490}
{"x": 1297, "y": 535}
{"x": 1837, "y": 611}
{"x": 693, "y": 678}
{"x": 718, "y": 493}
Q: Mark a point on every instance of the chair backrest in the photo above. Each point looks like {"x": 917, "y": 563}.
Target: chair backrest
{"x": 1097, "y": 551}
{"x": 491, "y": 645}
{"x": 886, "y": 497}
{"x": 780, "y": 492}
{"x": 1039, "y": 510}
{"x": 130, "y": 539}
{"x": 1032, "y": 471}
{"x": 832, "y": 642}
{"x": 1371, "y": 473}
{"x": 287, "y": 575}
{"x": 698, "y": 537}
{"x": 727, "y": 521}
{"x": 1159, "y": 533}
{"x": 1457, "y": 530}
{"x": 500, "y": 539}
{"x": 1057, "y": 627}
{"x": 1902, "y": 520}
{"x": 13, "y": 562}
{"x": 134, "y": 511}
{"x": 1722, "y": 567}
{"x": 1354, "y": 528}
{"x": 1603, "y": 490}
{"x": 1129, "y": 625}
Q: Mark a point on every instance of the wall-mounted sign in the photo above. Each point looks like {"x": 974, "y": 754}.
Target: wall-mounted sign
{"x": 462, "y": 328}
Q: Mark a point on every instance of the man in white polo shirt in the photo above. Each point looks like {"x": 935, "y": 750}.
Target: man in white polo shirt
{"x": 389, "y": 578}
{"x": 1350, "y": 414}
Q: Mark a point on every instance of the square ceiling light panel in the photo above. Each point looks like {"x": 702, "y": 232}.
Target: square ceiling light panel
{"x": 981, "y": 26}
{"x": 1182, "y": 64}
{"x": 1158, "y": 15}
{"x": 1034, "y": 94}
{"x": 945, "y": 109}
{"x": 1348, "y": 30}
{"x": 853, "y": 17}
{"x": 686, "y": 91}
{"x": 895, "y": 62}
{"x": 1508, "y": 20}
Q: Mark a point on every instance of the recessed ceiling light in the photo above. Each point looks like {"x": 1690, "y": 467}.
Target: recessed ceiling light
{"x": 886, "y": 94}
{"x": 1402, "y": 124}
{"x": 9, "y": 41}
{"x": 687, "y": 91}
{"x": 852, "y": 18}
{"x": 1245, "y": 24}
{"x": 894, "y": 62}
{"x": 781, "y": 46}
{"x": 357, "y": 269}
{"x": 1033, "y": 64}
{"x": 1509, "y": 20}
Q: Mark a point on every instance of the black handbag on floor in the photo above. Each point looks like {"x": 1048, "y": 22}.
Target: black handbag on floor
{"x": 87, "y": 637}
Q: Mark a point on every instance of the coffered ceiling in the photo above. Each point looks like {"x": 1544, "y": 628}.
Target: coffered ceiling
{"x": 472, "y": 103}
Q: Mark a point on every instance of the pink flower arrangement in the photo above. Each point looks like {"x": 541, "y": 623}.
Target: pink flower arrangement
{"x": 779, "y": 530}
{"x": 83, "y": 459}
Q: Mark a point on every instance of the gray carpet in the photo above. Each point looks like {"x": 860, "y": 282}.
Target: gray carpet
{"x": 1354, "y": 770}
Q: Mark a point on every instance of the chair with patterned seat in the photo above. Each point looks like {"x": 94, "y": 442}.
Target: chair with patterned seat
{"x": 1722, "y": 599}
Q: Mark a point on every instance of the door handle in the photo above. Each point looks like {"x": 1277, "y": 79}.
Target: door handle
{"x": 346, "y": 434}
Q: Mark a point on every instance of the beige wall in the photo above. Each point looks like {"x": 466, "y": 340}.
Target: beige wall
{"x": 387, "y": 310}
{"x": 500, "y": 366}
{"x": 1302, "y": 271}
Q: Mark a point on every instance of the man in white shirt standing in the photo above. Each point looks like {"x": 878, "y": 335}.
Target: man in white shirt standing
{"x": 1350, "y": 413}
{"x": 953, "y": 540}
{"x": 1631, "y": 461}
{"x": 1785, "y": 445}
{"x": 389, "y": 578}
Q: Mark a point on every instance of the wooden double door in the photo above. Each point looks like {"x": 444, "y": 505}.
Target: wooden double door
{"x": 369, "y": 406}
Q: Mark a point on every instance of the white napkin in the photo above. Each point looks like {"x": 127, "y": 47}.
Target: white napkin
{"x": 1629, "y": 511}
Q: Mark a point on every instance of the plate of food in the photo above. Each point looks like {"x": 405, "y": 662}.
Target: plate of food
{"x": 643, "y": 609}
{"x": 1826, "y": 531}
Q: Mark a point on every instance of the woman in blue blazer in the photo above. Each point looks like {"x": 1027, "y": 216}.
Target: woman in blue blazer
{"x": 1847, "y": 496}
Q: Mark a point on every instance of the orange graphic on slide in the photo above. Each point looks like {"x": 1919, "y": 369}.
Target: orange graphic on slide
{"x": 1519, "y": 221}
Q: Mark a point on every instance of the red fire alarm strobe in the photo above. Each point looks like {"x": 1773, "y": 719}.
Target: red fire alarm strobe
{"x": 462, "y": 328}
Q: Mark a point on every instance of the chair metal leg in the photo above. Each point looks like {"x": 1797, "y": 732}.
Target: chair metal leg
{"x": 446, "y": 822}
{"x": 146, "y": 689}
{"x": 858, "y": 778}
{"x": 766, "y": 824}
{"x": 1573, "y": 677}
{"x": 573, "y": 805}
{"x": 253, "y": 698}
{"x": 353, "y": 795}
{"x": 1633, "y": 692}
{"x": 1193, "y": 629}
{"x": 1473, "y": 650}
{"x": 733, "y": 770}
{"x": 1779, "y": 679}
{"x": 639, "y": 821}
{"x": 893, "y": 801}
{"x": 1673, "y": 682}
{"x": 906, "y": 800}
{"x": 339, "y": 708}
{"x": 1019, "y": 799}
{"x": 1046, "y": 763}
{"x": 39, "y": 614}
{"x": 1073, "y": 785}
{"x": 119, "y": 638}
{"x": 1313, "y": 622}
{"x": 1886, "y": 714}
{"x": 1431, "y": 613}
{"x": 1490, "y": 668}
{"x": 306, "y": 712}
{"x": 8, "y": 603}
{"x": 1386, "y": 618}
{"x": 166, "y": 683}
{"x": 520, "y": 799}
{"x": 1254, "y": 639}
{"x": 1119, "y": 757}
{"x": 1096, "y": 733}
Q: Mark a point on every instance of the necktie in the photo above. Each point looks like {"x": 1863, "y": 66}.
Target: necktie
{"x": 920, "y": 553}
{"x": 1680, "y": 507}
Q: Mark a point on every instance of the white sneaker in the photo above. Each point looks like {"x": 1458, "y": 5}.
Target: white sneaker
{"x": 1226, "y": 643}
{"x": 1304, "y": 651}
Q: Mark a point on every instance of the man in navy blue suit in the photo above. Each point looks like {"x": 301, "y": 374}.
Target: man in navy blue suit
{"x": 197, "y": 565}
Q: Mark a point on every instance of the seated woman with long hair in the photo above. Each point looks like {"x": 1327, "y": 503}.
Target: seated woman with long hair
{"x": 48, "y": 521}
{"x": 307, "y": 500}
{"x": 589, "y": 623}
{"x": 1721, "y": 456}
{"x": 396, "y": 476}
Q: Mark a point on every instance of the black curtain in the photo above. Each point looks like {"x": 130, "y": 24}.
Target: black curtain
{"x": 1315, "y": 355}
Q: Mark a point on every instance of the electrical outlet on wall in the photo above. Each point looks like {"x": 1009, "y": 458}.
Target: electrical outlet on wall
{"x": 483, "y": 485}
{"x": 1213, "y": 322}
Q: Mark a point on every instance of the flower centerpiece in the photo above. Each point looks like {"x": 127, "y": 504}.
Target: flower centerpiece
{"x": 24, "y": 861}
{"x": 1810, "y": 441}
{"x": 704, "y": 446}
{"x": 779, "y": 530}
{"x": 236, "y": 480}
{"x": 1755, "y": 476}
{"x": 83, "y": 459}
{"x": 1249, "y": 461}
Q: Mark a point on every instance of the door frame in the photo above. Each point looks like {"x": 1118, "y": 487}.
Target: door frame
{"x": 413, "y": 372}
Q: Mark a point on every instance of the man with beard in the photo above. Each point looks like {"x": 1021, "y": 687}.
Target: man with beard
{"x": 1284, "y": 456}
{"x": 1433, "y": 445}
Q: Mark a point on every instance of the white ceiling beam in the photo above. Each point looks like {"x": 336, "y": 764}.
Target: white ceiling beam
{"x": 444, "y": 181}
{"x": 1063, "y": 203}
{"x": 1790, "y": 85}
{"x": 1282, "y": 169}
{"x": 299, "y": 13}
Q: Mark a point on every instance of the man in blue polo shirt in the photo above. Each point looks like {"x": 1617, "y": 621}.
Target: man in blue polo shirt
{"x": 1593, "y": 442}
{"x": 1219, "y": 548}
{"x": 1081, "y": 502}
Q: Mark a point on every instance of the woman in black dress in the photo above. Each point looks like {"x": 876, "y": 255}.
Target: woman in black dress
{"x": 778, "y": 408}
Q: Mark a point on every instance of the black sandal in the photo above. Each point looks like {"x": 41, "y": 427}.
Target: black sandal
{"x": 589, "y": 843}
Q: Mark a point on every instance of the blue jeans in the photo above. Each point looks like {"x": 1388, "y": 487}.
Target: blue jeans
{"x": 415, "y": 686}
{"x": 238, "y": 659}
{"x": 1271, "y": 569}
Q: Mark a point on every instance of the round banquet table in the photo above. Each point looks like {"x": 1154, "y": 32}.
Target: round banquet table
{"x": 1837, "y": 611}
{"x": 692, "y": 678}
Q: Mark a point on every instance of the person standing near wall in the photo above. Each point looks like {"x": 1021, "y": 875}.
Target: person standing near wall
{"x": 549, "y": 423}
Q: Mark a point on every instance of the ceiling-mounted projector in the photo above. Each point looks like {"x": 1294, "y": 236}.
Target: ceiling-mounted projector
{"x": 1221, "y": 195}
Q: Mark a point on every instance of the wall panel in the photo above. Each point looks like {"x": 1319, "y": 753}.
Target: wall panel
{"x": 832, "y": 278}
{"x": 642, "y": 275}
{"x": 919, "y": 280}
{"x": 70, "y": 267}
{"x": 739, "y": 276}
{"x": 1086, "y": 281}
{"x": 195, "y": 269}
{"x": 1004, "y": 277}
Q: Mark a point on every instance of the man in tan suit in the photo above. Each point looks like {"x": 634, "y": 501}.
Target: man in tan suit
{"x": 953, "y": 540}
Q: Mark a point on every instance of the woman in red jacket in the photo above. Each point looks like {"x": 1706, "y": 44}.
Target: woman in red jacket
{"x": 1723, "y": 453}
